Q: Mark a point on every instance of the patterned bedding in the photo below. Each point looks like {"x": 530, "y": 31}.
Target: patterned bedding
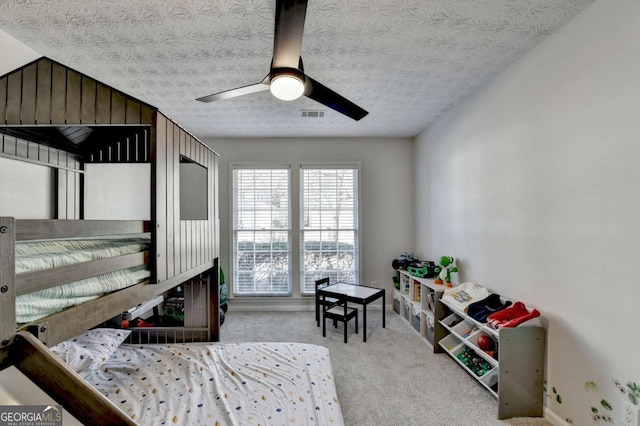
{"x": 38, "y": 255}
{"x": 221, "y": 384}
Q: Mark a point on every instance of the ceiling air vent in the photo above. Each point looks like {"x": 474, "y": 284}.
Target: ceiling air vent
{"x": 312, "y": 113}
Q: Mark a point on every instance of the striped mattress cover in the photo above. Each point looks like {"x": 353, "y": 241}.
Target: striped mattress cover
{"x": 221, "y": 384}
{"x": 39, "y": 255}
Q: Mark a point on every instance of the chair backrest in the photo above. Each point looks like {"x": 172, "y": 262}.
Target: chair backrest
{"x": 324, "y": 282}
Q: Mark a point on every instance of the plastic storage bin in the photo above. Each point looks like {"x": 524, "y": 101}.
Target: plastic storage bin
{"x": 430, "y": 329}
{"x": 407, "y": 310}
{"x": 415, "y": 318}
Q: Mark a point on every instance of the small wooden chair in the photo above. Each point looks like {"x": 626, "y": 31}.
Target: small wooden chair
{"x": 341, "y": 313}
{"x": 328, "y": 301}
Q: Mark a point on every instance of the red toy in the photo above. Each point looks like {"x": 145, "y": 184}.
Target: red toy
{"x": 512, "y": 316}
{"x": 486, "y": 343}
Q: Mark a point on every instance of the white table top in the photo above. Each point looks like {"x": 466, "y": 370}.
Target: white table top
{"x": 352, "y": 290}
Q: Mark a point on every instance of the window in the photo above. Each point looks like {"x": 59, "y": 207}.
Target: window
{"x": 329, "y": 225}
{"x": 193, "y": 190}
{"x": 267, "y": 230}
{"x": 261, "y": 232}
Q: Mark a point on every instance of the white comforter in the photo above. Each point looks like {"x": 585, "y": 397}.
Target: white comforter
{"x": 221, "y": 384}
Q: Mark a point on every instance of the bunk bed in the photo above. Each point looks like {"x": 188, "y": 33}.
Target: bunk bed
{"x": 56, "y": 117}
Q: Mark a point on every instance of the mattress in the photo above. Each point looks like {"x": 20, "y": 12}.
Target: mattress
{"x": 46, "y": 254}
{"x": 39, "y": 304}
{"x": 37, "y": 255}
{"x": 221, "y": 384}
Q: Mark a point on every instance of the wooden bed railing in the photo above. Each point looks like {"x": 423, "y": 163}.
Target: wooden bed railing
{"x": 50, "y": 228}
{"x": 72, "y": 321}
{"x": 43, "y": 279}
{"x": 12, "y": 285}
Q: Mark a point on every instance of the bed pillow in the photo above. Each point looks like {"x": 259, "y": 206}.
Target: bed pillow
{"x": 91, "y": 349}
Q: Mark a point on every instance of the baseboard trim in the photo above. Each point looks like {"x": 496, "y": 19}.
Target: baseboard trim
{"x": 282, "y": 304}
{"x": 245, "y": 304}
{"x": 553, "y": 418}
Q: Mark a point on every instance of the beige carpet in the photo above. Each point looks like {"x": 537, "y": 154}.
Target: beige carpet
{"x": 393, "y": 379}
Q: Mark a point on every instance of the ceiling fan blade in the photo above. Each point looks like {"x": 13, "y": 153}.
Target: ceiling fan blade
{"x": 287, "y": 39}
{"x": 326, "y": 96}
{"x": 239, "y": 91}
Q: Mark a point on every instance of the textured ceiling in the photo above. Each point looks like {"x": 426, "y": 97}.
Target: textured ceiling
{"x": 405, "y": 61}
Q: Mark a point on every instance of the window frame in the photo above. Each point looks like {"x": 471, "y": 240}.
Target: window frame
{"x": 350, "y": 165}
{"x": 295, "y": 212}
{"x": 233, "y": 166}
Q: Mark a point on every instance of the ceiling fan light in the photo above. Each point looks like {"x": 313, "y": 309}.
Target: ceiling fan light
{"x": 286, "y": 87}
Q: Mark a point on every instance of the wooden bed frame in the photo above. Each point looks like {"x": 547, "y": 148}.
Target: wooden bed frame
{"x": 42, "y": 106}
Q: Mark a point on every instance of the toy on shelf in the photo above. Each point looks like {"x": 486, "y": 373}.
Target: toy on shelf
{"x": 474, "y": 362}
{"x": 446, "y": 266}
{"x": 511, "y": 316}
{"x": 403, "y": 261}
{"x": 422, "y": 269}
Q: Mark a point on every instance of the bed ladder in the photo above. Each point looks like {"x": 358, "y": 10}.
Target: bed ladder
{"x": 61, "y": 383}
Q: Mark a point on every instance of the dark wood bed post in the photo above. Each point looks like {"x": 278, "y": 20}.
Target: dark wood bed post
{"x": 7, "y": 281}
{"x": 214, "y": 302}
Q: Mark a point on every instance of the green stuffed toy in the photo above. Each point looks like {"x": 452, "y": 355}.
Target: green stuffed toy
{"x": 446, "y": 267}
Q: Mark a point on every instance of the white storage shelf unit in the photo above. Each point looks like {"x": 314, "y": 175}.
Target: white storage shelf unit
{"x": 417, "y": 301}
{"x": 513, "y": 372}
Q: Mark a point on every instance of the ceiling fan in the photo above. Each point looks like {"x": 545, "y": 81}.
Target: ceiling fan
{"x": 286, "y": 79}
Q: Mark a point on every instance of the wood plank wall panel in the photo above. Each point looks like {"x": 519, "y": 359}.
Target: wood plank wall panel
{"x": 185, "y": 244}
{"x": 118, "y": 108}
{"x": 172, "y": 162}
{"x": 14, "y": 97}
{"x": 103, "y": 103}
{"x": 161, "y": 197}
{"x": 68, "y": 195}
{"x": 58, "y": 94}
{"x": 216, "y": 207}
{"x": 132, "y": 111}
{"x": 88, "y": 101}
{"x": 183, "y": 225}
{"x": 74, "y": 97}
{"x": 190, "y": 247}
{"x": 153, "y": 136}
{"x": 147, "y": 114}
{"x": 29, "y": 94}
{"x": 3, "y": 99}
{"x": 61, "y": 182}
{"x": 176, "y": 196}
{"x": 46, "y": 92}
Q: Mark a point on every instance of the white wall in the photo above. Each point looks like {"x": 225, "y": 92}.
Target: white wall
{"x": 17, "y": 389}
{"x": 386, "y": 191}
{"x": 117, "y": 191}
{"x": 534, "y": 183}
{"x": 14, "y": 53}
{"x": 26, "y": 190}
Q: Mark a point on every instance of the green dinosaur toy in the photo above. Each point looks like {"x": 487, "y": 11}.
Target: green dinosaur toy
{"x": 446, "y": 266}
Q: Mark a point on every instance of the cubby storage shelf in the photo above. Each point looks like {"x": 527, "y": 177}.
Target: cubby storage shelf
{"x": 515, "y": 376}
{"x": 417, "y": 301}
{"x": 468, "y": 333}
